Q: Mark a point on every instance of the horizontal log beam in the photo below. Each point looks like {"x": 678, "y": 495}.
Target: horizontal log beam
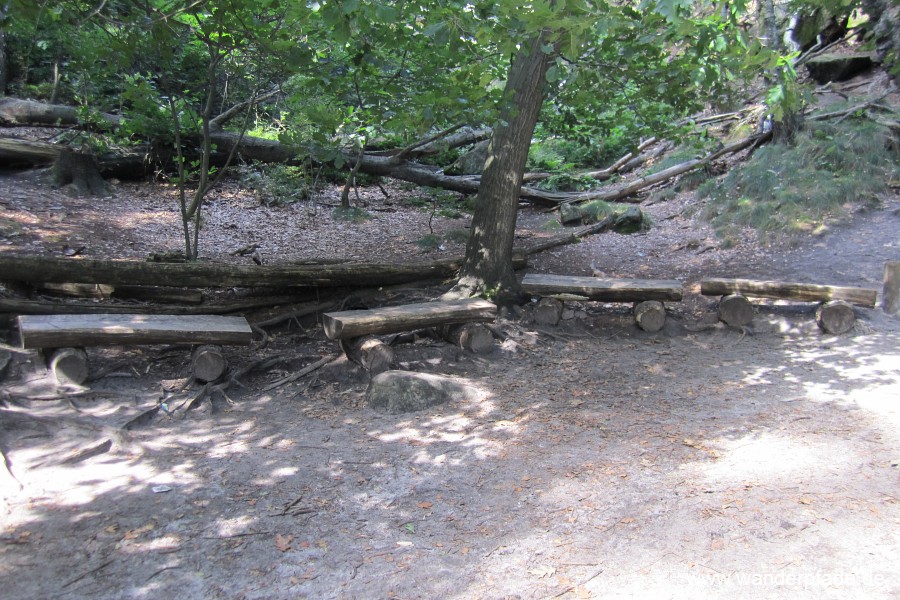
{"x": 408, "y": 317}
{"x": 604, "y": 290}
{"x": 205, "y": 274}
{"x": 782, "y": 290}
{"x": 56, "y": 331}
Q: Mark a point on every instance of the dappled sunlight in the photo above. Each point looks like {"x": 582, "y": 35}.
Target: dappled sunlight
{"x": 771, "y": 456}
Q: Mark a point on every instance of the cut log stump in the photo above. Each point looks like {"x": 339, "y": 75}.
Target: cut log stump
{"x": 369, "y": 352}
{"x": 735, "y": 310}
{"x": 890, "y": 298}
{"x": 650, "y": 315}
{"x": 474, "y": 337}
{"x": 548, "y": 311}
{"x": 835, "y": 317}
{"x": 69, "y": 366}
{"x": 208, "y": 363}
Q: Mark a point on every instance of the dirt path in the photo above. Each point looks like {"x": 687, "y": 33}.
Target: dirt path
{"x": 601, "y": 461}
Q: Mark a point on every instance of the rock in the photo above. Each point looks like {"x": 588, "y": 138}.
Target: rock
{"x": 397, "y": 392}
{"x": 839, "y": 67}
{"x": 470, "y": 163}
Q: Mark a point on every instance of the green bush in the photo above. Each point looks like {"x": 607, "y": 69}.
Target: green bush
{"x": 787, "y": 190}
{"x": 275, "y": 184}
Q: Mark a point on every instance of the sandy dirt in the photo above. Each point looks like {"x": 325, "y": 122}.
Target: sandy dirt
{"x": 599, "y": 461}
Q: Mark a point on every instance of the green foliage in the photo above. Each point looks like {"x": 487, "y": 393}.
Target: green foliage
{"x": 557, "y": 154}
{"x": 789, "y": 190}
{"x": 276, "y": 184}
{"x": 444, "y": 203}
{"x": 565, "y": 182}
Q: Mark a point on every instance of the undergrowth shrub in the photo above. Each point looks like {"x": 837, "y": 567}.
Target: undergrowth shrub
{"x": 832, "y": 169}
{"x": 275, "y": 184}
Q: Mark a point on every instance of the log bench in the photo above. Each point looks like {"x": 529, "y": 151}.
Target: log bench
{"x": 647, "y": 294}
{"x": 456, "y": 320}
{"x": 833, "y": 315}
{"x": 63, "y": 337}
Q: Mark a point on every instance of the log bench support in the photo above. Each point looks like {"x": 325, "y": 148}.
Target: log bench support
{"x": 647, "y": 295}
{"x": 457, "y": 320}
{"x": 834, "y": 315}
{"x": 63, "y": 338}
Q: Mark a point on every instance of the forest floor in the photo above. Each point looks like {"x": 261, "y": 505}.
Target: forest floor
{"x": 599, "y": 461}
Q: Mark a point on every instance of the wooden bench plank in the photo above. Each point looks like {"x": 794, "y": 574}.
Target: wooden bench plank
{"x": 604, "y": 290}
{"x": 57, "y": 331}
{"x": 781, "y": 290}
{"x": 395, "y": 319}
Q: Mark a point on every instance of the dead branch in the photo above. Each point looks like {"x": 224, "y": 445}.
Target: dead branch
{"x": 301, "y": 373}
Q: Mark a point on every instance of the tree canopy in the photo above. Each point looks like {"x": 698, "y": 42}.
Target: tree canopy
{"x": 335, "y": 77}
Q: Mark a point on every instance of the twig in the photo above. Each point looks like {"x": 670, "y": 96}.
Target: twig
{"x": 301, "y": 373}
{"x": 583, "y": 583}
{"x": 85, "y": 574}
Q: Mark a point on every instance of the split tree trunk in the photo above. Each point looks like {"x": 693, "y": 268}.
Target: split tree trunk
{"x": 890, "y": 298}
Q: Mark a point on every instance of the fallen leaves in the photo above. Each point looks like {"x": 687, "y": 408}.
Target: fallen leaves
{"x": 283, "y": 542}
{"x": 542, "y": 571}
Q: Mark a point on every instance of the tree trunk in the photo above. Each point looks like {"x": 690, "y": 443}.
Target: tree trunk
{"x": 488, "y": 267}
{"x": 79, "y": 169}
{"x": 4, "y": 58}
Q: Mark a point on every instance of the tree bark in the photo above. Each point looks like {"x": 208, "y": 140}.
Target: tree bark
{"x": 488, "y": 266}
{"x": 650, "y": 315}
{"x": 890, "y": 297}
{"x": 370, "y": 353}
{"x": 474, "y": 337}
{"x": 396, "y": 319}
{"x": 208, "y": 363}
{"x": 835, "y": 317}
{"x": 804, "y": 292}
{"x": 69, "y": 366}
{"x": 735, "y": 310}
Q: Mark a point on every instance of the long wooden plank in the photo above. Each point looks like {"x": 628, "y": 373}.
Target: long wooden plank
{"x": 604, "y": 290}
{"x": 395, "y": 319}
{"x": 783, "y": 290}
{"x": 57, "y": 331}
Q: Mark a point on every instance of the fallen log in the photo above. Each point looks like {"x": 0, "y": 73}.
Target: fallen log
{"x": 204, "y": 274}
{"x": 804, "y": 292}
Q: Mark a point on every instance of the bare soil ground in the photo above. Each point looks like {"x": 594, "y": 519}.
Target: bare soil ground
{"x": 600, "y": 461}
